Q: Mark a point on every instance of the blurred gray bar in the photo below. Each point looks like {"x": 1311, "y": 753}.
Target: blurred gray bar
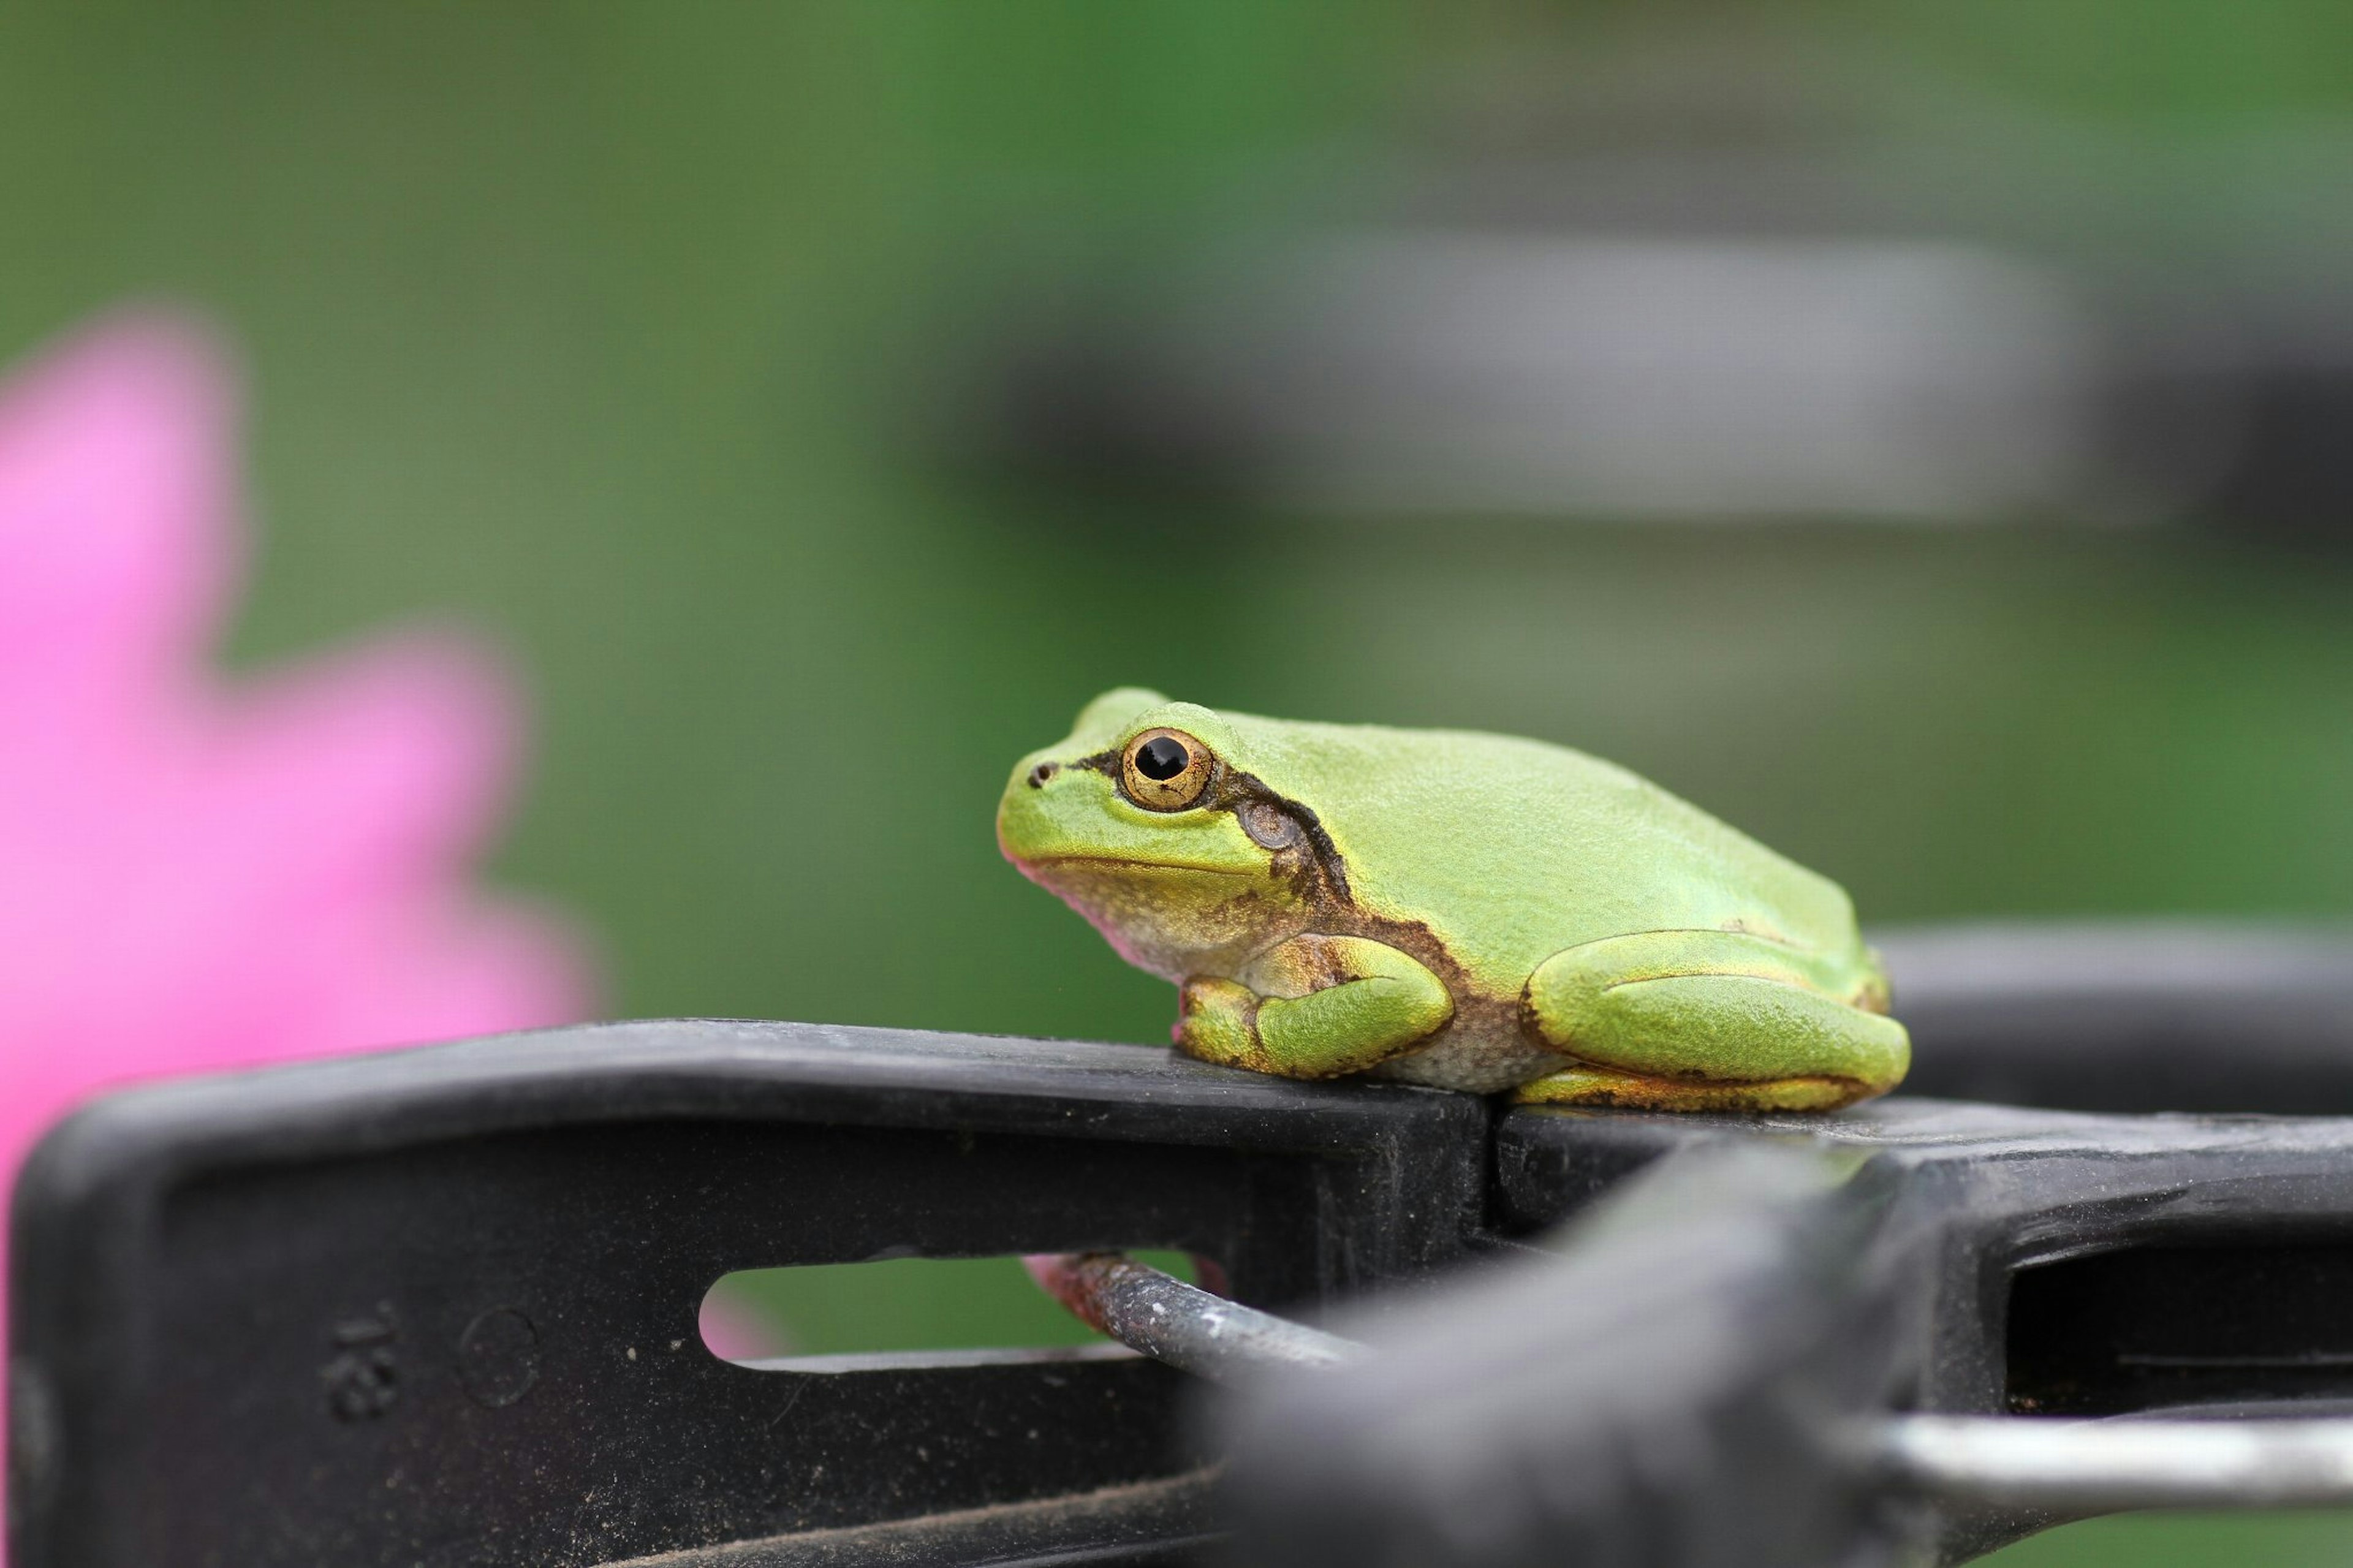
{"x": 2129, "y": 1015}
{"x": 2099, "y": 1467}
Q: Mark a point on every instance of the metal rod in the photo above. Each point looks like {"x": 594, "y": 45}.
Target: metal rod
{"x": 1181, "y": 1324}
{"x": 2074, "y": 1467}
{"x": 2099, "y": 1466}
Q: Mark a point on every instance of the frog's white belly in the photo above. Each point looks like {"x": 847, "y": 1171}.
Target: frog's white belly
{"x": 1481, "y": 1052}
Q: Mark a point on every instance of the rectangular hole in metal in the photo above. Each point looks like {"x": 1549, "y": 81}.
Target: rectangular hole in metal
{"x": 898, "y": 1313}
{"x": 2146, "y": 1328}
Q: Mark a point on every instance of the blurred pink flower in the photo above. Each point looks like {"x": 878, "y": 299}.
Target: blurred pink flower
{"x": 193, "y": 876}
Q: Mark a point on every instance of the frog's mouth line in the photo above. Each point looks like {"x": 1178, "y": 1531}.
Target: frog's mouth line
{"x": 1106, "y": 861}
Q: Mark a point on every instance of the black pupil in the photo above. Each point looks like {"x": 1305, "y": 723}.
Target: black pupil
{"x": 1161, "y": 758}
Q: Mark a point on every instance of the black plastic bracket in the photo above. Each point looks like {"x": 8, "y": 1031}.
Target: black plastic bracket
{"x": 439, "y": 1308}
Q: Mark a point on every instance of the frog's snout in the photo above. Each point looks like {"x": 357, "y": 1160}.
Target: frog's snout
{"x": 1041, "y": 772}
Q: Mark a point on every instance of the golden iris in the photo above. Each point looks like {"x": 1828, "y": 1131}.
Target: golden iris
{"x": 1166, "y": 770}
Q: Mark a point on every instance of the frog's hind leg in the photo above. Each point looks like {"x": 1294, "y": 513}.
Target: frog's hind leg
{"x": 1710, "y": 1020}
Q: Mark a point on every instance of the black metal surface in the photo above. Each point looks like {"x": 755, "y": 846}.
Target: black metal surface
{"x": 439, "y": 1308}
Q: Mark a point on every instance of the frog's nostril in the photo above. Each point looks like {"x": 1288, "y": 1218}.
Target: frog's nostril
{"x": 1040, "y": 773}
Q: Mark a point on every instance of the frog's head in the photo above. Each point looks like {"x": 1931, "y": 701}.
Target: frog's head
{"x": 1146, "y": 821}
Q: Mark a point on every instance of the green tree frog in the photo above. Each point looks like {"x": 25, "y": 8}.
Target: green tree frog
{"x": 1468, "y": 910}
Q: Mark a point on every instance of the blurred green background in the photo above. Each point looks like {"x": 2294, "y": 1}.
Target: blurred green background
{"x": 583, "y": 325}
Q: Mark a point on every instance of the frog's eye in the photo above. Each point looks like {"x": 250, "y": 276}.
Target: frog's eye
{"x": 1166, "y": 770}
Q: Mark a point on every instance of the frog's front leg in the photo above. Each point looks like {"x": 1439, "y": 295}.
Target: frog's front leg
{"x": 1315, "y": 1007}
{"x": 1709, "y": 1020}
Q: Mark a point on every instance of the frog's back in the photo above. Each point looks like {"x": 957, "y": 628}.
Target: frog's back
{"x": 1510, "y": 850}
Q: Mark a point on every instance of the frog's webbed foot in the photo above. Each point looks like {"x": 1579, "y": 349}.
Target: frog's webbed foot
{"x": 1315, "y": 1007}
{"x": 1707, "y": 1020}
